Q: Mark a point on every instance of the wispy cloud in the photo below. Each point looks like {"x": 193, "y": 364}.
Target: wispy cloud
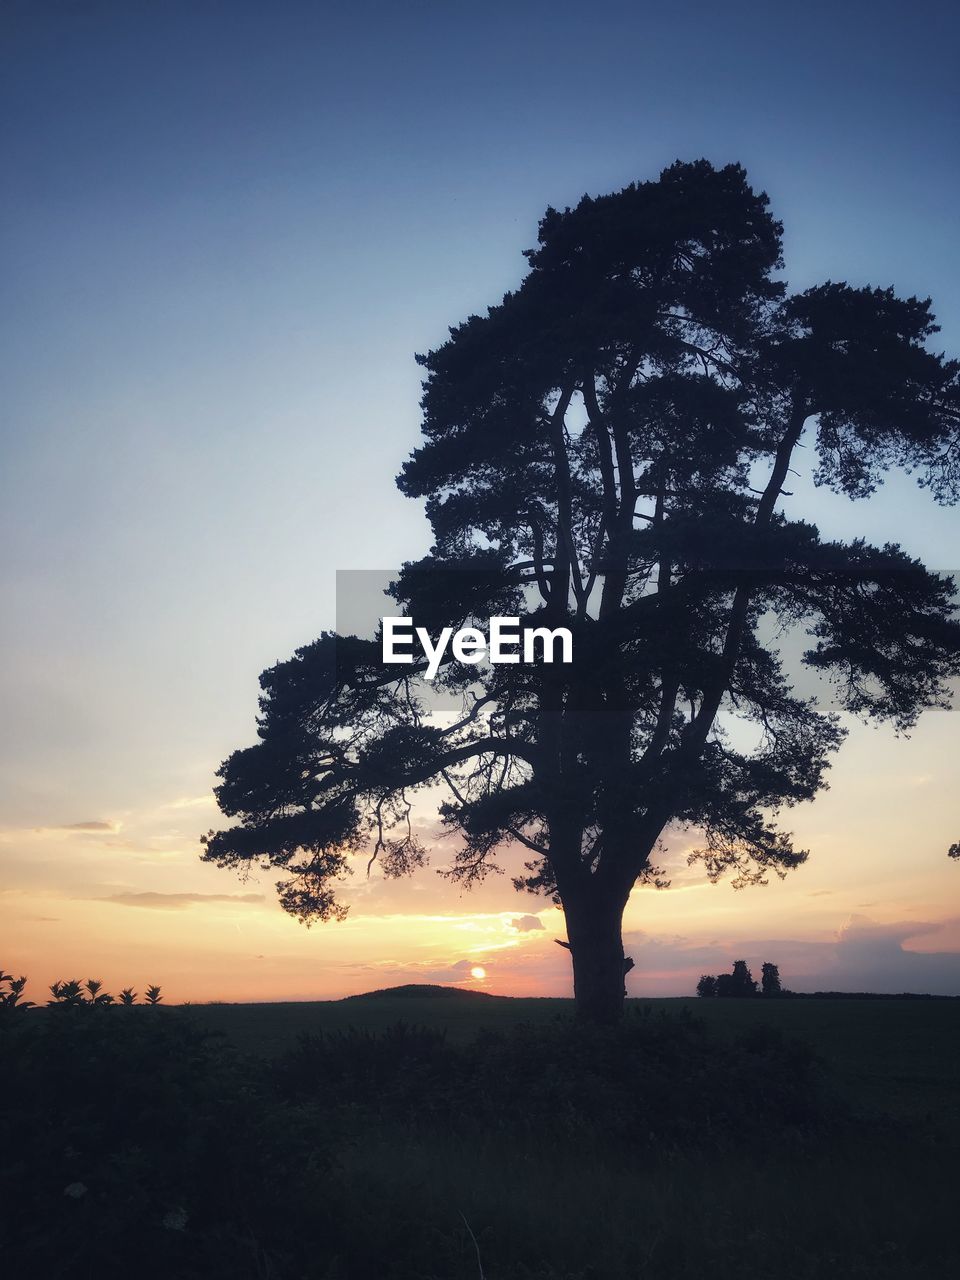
{"x": 396, "y": 972}
{"x": 87, "y": 826}
{"x": 177, "y": 901}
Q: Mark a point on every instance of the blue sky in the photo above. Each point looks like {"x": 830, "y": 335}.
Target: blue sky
{"x": 227, "y": 227}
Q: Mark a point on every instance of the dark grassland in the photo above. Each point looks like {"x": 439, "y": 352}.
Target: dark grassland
{"x": 427, "y": 1137}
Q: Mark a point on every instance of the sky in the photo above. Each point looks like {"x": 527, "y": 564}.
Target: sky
{"x": 226, "y": 229}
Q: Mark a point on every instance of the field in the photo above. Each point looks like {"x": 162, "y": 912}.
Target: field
{"x": 902, "y": 1056}
{"x": 875, "y": 1198}
{"x": 320, "y": 1141}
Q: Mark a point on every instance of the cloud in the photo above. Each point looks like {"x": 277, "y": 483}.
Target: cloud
{"x": 862, "y": 956}
{"x": 88, "y": 826}
{"x": 873, "y": 957}
{"x": 859, "y": 933}
{"x": 397, "y": 973}
{"x": 524, "y": 924}
{"x": 177, "y": 901}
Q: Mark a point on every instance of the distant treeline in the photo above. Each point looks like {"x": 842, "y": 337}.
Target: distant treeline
{"x": 864, "y": 995}
{"x": 740, "y": 983}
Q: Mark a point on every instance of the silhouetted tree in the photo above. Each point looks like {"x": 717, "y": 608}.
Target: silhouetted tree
{"x": 770, "y": 980}
{"x": 153, "y": 996}
{"x": 606, "y": 450}
{"x": 707, "y": 986}
{"x": 738, "y": 984}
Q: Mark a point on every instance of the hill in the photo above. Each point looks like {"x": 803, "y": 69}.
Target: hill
{"x": 420, "y": 989}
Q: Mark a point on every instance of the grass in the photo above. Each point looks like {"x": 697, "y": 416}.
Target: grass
{"x": 834, "y": 1212}
{"x": 269, "y": 1029}
{"x": 900, "y": 1056}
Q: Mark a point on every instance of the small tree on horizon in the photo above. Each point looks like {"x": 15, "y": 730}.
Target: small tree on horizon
{"x": 770, "y": 980}
{"x": 739, "y": 984}
{"x": 607, "y": 450}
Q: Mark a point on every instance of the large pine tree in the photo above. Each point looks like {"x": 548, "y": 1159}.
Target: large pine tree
{"x": 606, "y": 450}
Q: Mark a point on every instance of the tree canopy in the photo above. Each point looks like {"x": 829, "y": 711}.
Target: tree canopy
{"x": 607, "y": 449}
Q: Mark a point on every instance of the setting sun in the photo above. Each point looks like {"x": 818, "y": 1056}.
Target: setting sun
{"x": 478, "y": 973}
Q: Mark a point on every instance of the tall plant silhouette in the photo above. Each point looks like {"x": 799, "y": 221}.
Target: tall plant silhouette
{"x": 12, "y": 998}
{"x": 607, "y": 450}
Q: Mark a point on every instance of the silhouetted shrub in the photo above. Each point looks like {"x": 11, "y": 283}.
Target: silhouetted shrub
{"x": 134, "y": 1144}
{"x": 12, "y": 999}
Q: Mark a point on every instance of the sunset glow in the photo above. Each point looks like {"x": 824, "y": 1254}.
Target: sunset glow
{"x": 122, "y": 897}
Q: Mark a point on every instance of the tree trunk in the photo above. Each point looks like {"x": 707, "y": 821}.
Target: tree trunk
{"x": 596, "y": 947}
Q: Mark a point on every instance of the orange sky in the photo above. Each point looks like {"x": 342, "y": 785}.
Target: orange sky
{"x": 122, "y": 897}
